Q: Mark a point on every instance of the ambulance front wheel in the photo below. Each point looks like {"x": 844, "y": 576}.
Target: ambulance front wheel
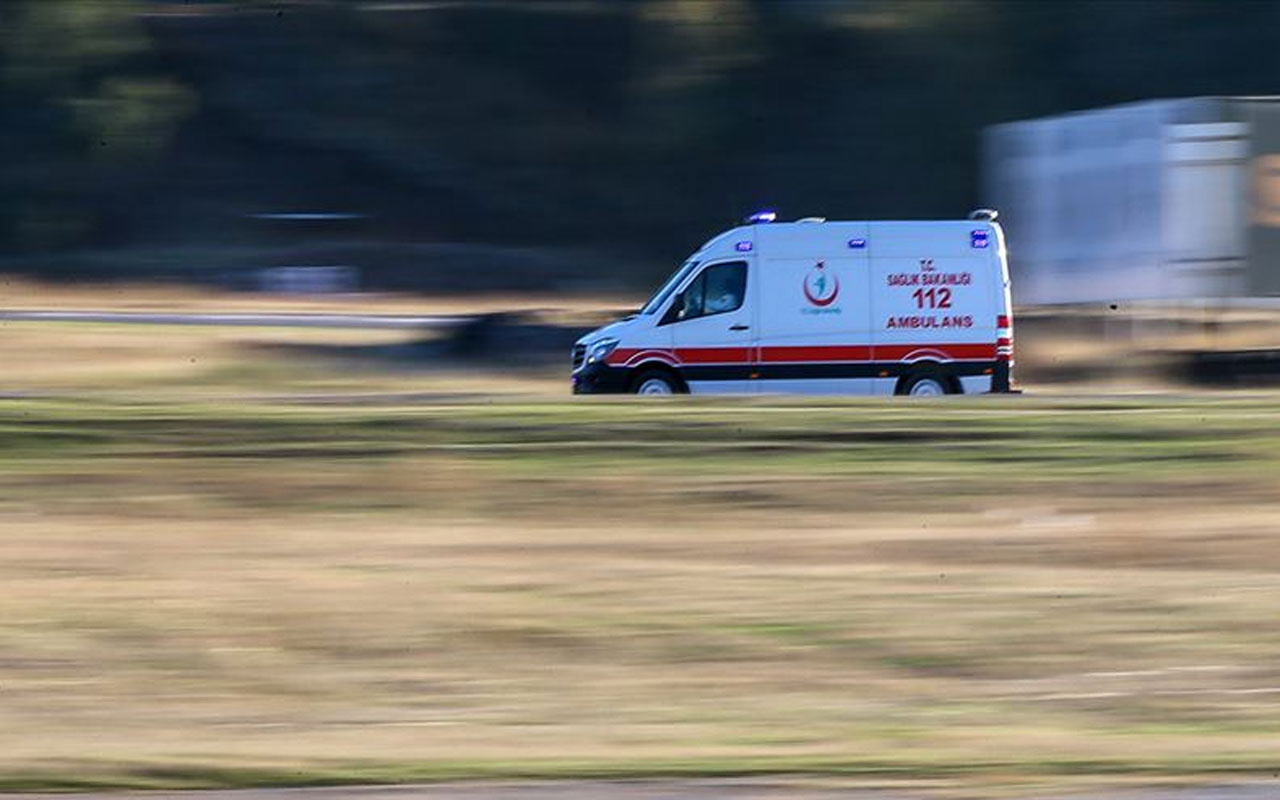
{"x": 655, "y": 381}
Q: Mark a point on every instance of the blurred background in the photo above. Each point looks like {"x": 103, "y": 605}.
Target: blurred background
{"x": 292, "y": 490}
{"x": 572, "y": 145}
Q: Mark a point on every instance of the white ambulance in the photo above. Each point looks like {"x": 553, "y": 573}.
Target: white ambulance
{"x": 818, "y": 307}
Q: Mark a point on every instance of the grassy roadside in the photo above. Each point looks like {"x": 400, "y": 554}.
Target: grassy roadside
{"x": 501, "y": 459}
{"x": 202, "y": 592}
{"x": 995, "y": 777}
{"x": 236, "y": 557}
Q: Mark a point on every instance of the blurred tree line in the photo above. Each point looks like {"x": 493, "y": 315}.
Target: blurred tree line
{"x": 632, "y": 127}
{"x": 84, "y": 107}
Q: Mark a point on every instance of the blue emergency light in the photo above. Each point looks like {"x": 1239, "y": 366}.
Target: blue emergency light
{"x": 762, "y": 216}
{"x": 857, "y": 243}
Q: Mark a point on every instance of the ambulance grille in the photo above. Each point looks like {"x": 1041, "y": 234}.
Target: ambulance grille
{"x": 579, "y": 355}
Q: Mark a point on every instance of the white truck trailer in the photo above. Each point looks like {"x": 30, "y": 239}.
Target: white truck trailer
{"x": 1160, "y": 200}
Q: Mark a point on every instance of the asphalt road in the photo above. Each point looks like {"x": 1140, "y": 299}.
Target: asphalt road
{"x": 666, "y": 790}
{"x": 250, "y": 319}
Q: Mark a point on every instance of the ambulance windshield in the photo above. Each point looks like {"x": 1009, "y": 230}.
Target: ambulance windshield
{"x": 653, "y": 305}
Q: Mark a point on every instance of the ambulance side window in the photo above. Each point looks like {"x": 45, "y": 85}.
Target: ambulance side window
{"x": 693, "y": 296}
{"x": 718, "y": 289}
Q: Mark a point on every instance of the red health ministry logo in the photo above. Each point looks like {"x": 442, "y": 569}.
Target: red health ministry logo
{"x": 821, "y": 287}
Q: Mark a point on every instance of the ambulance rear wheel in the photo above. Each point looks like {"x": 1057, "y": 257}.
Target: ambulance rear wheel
{"x": 655, "y": 382}
{"x": 925, "y": 385}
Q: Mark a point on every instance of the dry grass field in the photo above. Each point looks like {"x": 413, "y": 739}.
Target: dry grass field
{"x": 228, "y": 561}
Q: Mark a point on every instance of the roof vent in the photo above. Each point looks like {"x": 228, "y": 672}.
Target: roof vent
{"x": 984, "y": 215}
{"x": 812, "y": 219}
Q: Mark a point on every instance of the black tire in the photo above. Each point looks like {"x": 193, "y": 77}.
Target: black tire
{"x": 656, "y": 382}
{"x": 926, "y": 383}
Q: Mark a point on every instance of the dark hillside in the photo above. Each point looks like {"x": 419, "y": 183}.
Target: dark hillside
{"x": 632, "y": 129}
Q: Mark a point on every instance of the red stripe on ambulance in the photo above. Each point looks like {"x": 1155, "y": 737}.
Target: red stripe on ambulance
{"x": 953, "y": 352}
{"x": 815, "y": 353}
{"x": 826, "y": 354}
{"x": 714, "y": 355}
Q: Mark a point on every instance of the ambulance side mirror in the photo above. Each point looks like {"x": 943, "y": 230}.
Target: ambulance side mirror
{"x": 676, "y": 311}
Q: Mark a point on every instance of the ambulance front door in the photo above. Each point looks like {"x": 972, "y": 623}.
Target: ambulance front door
{"x": 712, "y": 327}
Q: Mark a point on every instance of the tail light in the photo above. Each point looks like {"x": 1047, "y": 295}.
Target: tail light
{"x": 1004, "y": 338}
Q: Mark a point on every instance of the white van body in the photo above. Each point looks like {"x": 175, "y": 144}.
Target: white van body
{"x": 819, "y": 307}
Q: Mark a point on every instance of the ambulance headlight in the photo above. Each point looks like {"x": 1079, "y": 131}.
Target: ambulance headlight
{"x": 601, "y": 349}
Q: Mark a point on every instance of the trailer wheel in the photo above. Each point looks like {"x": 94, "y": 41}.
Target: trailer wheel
{"x": 655, "y": 382}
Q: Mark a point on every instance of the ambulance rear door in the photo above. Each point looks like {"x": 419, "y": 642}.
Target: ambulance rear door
{"x": 934, "y": 296}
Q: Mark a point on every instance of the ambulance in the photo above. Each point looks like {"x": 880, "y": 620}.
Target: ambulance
{"x": 819, "y": 307}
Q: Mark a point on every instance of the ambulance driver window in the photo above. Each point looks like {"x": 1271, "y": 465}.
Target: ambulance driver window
{"x": 717, "y": 289}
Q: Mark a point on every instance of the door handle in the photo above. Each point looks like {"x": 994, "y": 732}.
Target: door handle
{"x": 739, "y": 327}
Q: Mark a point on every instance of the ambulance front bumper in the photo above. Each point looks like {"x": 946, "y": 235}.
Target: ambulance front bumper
{"x": 600, "y": 378}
